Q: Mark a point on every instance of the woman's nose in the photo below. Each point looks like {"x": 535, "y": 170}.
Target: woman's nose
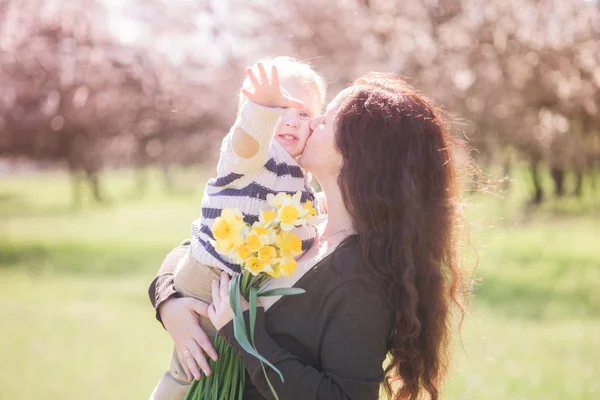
{"x": 291, "y": 124}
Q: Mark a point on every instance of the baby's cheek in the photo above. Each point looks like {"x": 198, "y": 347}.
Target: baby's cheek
{"x": 304, "y": 134}
{"x": 278, "y": 126}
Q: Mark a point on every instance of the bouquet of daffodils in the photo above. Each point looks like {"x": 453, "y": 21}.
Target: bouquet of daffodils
{"x": 264, "y": 250}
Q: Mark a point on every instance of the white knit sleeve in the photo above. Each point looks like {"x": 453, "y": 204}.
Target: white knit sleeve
{"x": 259, "y": 122}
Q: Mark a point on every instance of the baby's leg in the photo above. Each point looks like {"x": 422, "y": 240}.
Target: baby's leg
{"x": 193, "y": 279}
{"x": 173, "y": 385}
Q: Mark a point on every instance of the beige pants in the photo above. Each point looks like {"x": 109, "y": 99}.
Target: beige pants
{"x": 192, "y": 279}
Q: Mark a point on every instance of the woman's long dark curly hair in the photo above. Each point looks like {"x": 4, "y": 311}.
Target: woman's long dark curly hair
{"x": 399, "y": 185}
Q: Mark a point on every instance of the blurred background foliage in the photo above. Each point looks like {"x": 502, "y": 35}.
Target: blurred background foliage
{"x": 91, "y": 84}
{"x": 111, "y": 116}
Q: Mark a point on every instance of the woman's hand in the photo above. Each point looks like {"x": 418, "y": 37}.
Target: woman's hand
{"x": 268, "y": 92}
{"x": 220, "y": 312}
{"x": 180, "y": 318}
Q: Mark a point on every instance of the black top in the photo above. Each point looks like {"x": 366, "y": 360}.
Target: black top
{"x": 329, "y": 343}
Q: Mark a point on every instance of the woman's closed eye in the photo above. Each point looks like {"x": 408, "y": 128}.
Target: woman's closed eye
{"x": 317, "y": 122}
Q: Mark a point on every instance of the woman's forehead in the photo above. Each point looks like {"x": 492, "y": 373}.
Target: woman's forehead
{"x": 337, "y": 100}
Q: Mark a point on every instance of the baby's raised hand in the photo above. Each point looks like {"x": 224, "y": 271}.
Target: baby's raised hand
{"x": 268, "y": 92}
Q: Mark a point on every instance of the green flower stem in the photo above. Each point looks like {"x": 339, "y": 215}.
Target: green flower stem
{"x": 227, "y": 380}
{"x": 221, "y": 384}
{"x": 192, "y": 390}
{"x": 246, "y": 279}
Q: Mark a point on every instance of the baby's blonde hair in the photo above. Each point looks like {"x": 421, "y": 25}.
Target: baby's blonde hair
{"x": 293, "y": 70}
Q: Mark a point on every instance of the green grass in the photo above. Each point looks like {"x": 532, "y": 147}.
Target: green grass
{"x": 76, "y": 321}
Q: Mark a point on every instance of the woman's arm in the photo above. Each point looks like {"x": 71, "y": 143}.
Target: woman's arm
{"x": 353, "y": 349}
{"x": 179, "y": 316}
{"x": 162, "y": 286}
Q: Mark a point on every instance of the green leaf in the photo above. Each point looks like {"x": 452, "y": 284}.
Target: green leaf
{"x": 239, "y": 327}
{"x": 281, "y": 292}
{"x": 269, "y": 382}
{"x": 253, "y": 295}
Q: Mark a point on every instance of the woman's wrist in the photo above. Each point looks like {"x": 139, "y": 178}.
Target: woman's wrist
{"x": 159, "y": 305}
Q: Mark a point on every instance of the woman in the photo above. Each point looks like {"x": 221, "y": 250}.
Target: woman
{"x": 383, "y": 276}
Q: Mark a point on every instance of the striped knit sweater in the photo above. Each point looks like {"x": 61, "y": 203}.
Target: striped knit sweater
{"x": 244, "y": 183}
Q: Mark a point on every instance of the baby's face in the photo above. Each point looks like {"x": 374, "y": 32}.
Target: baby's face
{"x": 293, "y": 128}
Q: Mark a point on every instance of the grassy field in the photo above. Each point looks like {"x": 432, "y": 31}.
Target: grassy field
{"x": 76, "y": 321}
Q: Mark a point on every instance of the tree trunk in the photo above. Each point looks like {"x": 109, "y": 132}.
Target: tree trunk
{"x": 94, "y": 182}
{"x": 75, "y": 188}
{"x": 558, "y": 176}
{"x": 578, "y": 183}
{"x": 594, "y": 174}
{"x": 506, "y": 169}
{"x": 537, "y": 185}
{"x": 168, "y": 177}
{"x": 141, "y": 168}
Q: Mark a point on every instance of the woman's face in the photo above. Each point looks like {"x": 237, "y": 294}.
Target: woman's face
{"x": 320, "y": 156}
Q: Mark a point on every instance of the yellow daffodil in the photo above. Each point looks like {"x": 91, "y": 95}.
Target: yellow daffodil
{"x": 266, "y": 253}
{"x": 222, "y": 230}
{"x": 266, "y": 217}
{"x": 309, "y": 208}
{"x": 268, "y": 247}
{"x": 276, "y": 201}
{"x": 288, "y": 244}
{"x": 234, "y": 217}
{"x": 260, "y": 231}
{"x": 274, "y": 272}
{"x": 290, "y": 211}
{"x": 266, "y": 234}
{"x": 253, "y": 242}
{"x": 288, "y": 214}
{"x": 284, "y": 266}
{"x": 229, "y": 225}
{"x": 255, "y": 265}
{"x": 309, "y": 213}
{"x": 223, "y": 246}
{"x": 288, "y": 267}
{"x": 228, "y": 230}
{"x": 243, "y": 253}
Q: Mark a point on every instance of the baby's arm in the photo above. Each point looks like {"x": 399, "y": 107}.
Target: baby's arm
{"x": 247, "y": 146}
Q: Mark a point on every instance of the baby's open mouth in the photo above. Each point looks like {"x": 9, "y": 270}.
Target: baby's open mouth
{"x": 288, "y": 137}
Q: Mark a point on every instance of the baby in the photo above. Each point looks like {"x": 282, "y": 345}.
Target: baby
{"x": 258, "y": 157}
